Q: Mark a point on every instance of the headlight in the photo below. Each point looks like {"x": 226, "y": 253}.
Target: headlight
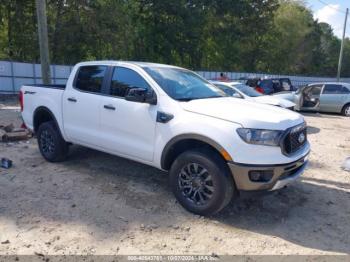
{"x": 260, "y": 136}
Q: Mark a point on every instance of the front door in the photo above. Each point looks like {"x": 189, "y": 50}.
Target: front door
{"x": 128, "y": 128}
{"x": 310, "y": 98}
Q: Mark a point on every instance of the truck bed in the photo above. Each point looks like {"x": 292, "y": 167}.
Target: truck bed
{"x": 49, "y": 96}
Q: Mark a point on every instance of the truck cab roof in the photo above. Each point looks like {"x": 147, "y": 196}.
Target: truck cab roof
{"x": 121, "y": 62}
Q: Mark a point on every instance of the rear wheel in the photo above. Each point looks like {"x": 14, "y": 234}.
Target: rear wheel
{"x": 201, "y": 182}
{"x": 346, "y": 110}
{"x": 51, "y": 143}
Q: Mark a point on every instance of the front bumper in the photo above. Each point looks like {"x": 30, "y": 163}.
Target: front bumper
{"x": 282, "y": 174}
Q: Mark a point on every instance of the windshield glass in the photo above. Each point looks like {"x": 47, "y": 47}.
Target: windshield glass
{"x": 299, "y": 89}
{"x": 182, "y": 84}
{"x": 247, "y": 90}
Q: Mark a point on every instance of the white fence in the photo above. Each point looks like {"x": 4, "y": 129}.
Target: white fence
{"x": 15, "y": 74}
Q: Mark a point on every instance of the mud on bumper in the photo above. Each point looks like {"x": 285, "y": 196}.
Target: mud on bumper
{"x": 266, "y": 177}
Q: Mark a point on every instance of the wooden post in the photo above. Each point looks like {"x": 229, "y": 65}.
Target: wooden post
{"x": 43, "y": 41}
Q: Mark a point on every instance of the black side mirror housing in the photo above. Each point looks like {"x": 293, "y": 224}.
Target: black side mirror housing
{"x": 141, "y": 95}
{"x": 236, "y": 95}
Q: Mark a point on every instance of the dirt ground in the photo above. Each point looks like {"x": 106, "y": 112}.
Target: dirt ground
{"x": 95, "y": 203}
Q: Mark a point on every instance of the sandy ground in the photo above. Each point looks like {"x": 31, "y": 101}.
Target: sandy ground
{"x": 95, "y": 203}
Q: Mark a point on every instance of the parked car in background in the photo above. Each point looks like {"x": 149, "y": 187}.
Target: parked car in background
{"x": 213, "y": 145}
{"x": 239, "y": 90}
{"x": 269, "y": 86}
{"x": 252, "y": 82}
{"x": 321, "y": 97}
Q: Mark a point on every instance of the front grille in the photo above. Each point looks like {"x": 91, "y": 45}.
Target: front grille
{"x": 293, "y": 139}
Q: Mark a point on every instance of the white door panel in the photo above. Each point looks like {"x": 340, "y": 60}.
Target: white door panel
{"x": 81, "y": 116}
{"x": 129, "y": 129}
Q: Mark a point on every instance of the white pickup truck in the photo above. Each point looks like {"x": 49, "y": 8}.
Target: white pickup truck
{"x": 213, "y": 146}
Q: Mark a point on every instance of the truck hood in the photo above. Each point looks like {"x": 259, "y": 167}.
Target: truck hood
{"x": 275, "y": 101}
{"x": 246, "y": 113}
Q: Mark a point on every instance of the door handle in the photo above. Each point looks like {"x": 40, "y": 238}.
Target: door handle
{"x": 29, "y": 92}
{"x": 72, "y": 99}
{"x": 109, "y": 107}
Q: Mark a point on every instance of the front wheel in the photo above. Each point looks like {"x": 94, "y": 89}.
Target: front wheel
{"x": 346, "y": 110}
{"x": 51, "y": 143}
{"x": 201, "y": 182}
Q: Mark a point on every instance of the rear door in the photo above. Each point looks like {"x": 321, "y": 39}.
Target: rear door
{"x": 128, "y": 128}
{"x": 332, "y": 98}
{"x": 81, "y": 105}
{"x": 345, "y": 96}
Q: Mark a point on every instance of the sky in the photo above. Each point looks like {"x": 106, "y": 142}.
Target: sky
{"x": 331, "y": 12}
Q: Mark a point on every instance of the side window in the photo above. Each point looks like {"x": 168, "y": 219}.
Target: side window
{"x": 123, "y": 79}
{"x": 266, "y": 84}
{"x": 227, "y": 90}
{"x": 90, "y": 78}
{"x": 286, "y": 84}
{"x": 332, "y": 89}
{"x": 316, "y": 90}
{"x": 345, "y": 90}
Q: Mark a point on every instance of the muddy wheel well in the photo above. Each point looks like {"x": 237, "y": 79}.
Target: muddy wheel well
{"x": 173, "y": 151}
{"x": 42, "y": 115}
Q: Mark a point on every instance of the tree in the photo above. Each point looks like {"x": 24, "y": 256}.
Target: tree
{"x": 272, "y": 36}
{"x": 18, "y": 32}
{"x": 287, "y": 47}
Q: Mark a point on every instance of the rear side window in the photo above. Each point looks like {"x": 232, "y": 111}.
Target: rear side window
{"x": 90, "y": 78}
{"x": 123, "y": 79}
{"x": 345, "y": 90}
{"x": 332, "y": 89}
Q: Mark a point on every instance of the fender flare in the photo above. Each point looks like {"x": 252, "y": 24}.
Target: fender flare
{"x": 182, "y": 137}
{"x": 44, "y": 108}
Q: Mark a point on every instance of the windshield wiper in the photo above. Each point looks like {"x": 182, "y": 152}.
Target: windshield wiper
{"x": 184, "y": 99}
{"x": 210, "y": 97}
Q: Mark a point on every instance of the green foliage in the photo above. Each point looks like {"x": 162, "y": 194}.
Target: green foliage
{"x": 272, "y": 36}
{"x": 18, "y": 35}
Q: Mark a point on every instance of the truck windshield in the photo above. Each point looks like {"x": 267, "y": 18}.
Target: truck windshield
{"x": 182, "y": 84}
{"x": 247, "y": 90}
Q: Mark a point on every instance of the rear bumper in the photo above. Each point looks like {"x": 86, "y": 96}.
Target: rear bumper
{"x": 281, "y": 175}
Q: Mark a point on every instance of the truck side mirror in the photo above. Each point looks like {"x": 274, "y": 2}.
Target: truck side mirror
{"x": 141, "y": 95}
{"x": 236, "y": 95}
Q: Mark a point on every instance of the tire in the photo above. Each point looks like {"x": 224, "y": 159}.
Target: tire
{"x": 346, "y": 110}
{"x": 51, "y": 143}
{"x": 215, "y": 187}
